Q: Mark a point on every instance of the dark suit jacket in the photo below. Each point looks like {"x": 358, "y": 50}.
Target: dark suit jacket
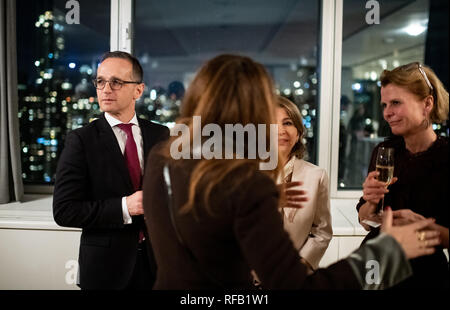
{"x": 91, "y": 179}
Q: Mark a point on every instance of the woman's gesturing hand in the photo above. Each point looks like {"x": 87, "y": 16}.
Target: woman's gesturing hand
{"x": 405, "y": 217}
{"x": 293, "y": 197}
{"x": 414, "y": 239}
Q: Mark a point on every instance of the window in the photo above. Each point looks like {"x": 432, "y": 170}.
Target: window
{"x": 173, "y": 38}
{"x": 400, "y": 37}
{"x": 56, "y": 61}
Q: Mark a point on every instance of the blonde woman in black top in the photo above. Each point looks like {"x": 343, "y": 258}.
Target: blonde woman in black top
{"x": 412, "y": 99}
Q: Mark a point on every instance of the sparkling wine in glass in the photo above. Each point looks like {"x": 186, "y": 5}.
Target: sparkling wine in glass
{"x": 385, "y": 166}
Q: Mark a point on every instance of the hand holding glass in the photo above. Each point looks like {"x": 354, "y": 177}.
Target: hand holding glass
{"x": 385, "y": 168}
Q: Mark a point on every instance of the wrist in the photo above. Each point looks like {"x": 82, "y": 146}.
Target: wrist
{"x": 125, "y": 213}
{"x": 367, "y": 209}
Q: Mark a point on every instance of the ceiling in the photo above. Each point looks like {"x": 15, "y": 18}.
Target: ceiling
{"x": 175, "y": 36}
{"x": 262, "y": 28}
{"x": 387, "y": 45}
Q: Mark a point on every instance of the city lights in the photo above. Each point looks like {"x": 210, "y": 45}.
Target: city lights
{"x": 58, "y": 96}
{"x": 356, "y": 86}
{"x": 55, "y": 98}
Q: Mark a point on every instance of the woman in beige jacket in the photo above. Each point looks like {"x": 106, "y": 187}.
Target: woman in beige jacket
{"x": 309, "y": 226}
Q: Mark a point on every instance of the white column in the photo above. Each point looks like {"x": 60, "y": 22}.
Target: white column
{"x": 121, "y": 25}
{"x": 326, "y": 71}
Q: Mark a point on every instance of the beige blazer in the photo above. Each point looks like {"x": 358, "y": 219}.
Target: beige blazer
{"x": 310, "y": 227}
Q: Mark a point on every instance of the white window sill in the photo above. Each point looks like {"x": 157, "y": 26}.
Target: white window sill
{"x": 36, "y": 213}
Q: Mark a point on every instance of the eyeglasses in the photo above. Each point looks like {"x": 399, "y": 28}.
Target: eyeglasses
{"x": 419, "y": 66}
{"x": 115, "y": 84}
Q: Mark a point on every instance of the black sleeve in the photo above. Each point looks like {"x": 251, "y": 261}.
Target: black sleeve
{"x": 268, "y": 249}
{"x": 70, "y": 207}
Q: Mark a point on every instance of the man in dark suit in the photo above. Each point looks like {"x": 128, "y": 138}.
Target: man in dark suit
{"x": 98, "y": 182}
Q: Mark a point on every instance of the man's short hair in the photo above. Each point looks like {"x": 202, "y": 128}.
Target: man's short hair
{"x": 137, "y": 68}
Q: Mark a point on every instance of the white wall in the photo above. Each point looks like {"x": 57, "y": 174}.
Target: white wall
{"x": 36, "y": 259}
{"x": 37, "y": 254}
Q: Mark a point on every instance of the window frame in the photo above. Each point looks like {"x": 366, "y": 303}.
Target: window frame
{"x": 121, "y": 25}
{"x": 335, "y": 107}
{"x": 330, "y": 93}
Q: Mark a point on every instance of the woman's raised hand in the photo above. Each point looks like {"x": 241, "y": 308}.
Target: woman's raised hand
{"x": 414, "y": 238}
{"x": 293, "y": 197}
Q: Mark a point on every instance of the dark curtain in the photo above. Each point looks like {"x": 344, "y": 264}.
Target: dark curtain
{"x": 436, "y": 45}
{"x": 11, "y": 185}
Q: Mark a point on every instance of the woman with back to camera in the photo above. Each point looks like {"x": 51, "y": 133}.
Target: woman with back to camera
{"x": 309, "y": 226}
{"x": 211, "y": 221}
{"x": 412, "y": 98}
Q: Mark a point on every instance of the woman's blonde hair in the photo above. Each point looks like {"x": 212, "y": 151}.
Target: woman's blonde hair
{"x": 421, "y": 81}
{"x": 299, "y": 148}
{"x": 228, "y": 89}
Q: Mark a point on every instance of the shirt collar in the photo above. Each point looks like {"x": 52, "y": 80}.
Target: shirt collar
{"x": 112, "y": 121}
{"x": 287, "y": 169}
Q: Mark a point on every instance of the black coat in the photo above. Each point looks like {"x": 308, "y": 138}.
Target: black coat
{"x": 91, "y": 179}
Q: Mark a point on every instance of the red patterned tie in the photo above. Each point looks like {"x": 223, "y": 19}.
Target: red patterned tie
{"x": 132, "y": 158}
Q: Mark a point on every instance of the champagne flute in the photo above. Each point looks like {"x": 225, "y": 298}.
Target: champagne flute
{"x": 385, "y": 167}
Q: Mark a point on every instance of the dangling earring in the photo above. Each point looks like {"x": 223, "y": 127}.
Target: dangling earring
{"x": 426, "y": 122}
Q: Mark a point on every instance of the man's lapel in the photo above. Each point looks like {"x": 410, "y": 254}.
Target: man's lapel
{"x": 147, "y": 138}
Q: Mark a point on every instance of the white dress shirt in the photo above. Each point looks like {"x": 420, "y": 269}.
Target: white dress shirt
{"x": 122, "y": 140}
